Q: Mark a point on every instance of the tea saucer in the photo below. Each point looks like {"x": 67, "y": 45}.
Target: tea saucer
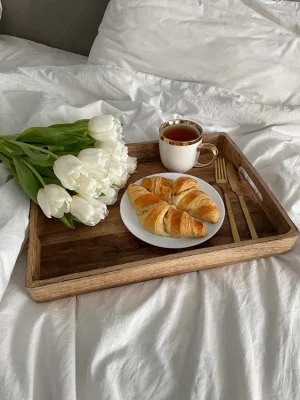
{"x": 130, "y": 219}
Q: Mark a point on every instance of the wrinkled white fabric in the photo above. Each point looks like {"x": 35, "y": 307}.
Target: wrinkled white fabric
{"x": 228, "y": 333}
{"x": 18, "y": 51}
{"x": 250, "y": 46}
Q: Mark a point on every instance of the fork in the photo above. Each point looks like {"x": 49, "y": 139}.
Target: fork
{"x": 222, "y": 182}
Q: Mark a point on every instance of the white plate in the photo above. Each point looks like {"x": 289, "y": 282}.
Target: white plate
{"x": 130, "y": 219}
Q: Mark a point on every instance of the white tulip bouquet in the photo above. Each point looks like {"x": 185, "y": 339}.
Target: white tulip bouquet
{"x": 72, "y": 171}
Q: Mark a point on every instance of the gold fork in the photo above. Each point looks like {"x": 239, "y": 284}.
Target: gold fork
{"x": 222, "y": 182}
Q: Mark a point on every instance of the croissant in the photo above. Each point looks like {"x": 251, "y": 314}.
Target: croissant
{"x": 184, "y": 193}
{"x": 159, "y": 217}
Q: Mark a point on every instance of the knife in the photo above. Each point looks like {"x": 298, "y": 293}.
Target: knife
{"x": 237, "y": 188}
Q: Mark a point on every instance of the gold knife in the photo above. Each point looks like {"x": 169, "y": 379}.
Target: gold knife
{"x": 237, "y": 188}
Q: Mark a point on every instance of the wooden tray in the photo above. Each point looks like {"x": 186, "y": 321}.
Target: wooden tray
{"x": 63, "y": 262}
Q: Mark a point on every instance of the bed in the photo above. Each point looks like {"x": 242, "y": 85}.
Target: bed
{"x": 19, "y": 52}
{"x": 227, "y": 333}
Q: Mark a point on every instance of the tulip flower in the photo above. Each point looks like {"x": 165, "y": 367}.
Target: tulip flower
{"x": 97, "y": 163}
{"x": 54, "y": 201}
{"x": 105, "y": 128}
{"x": 74, "y": 176}
{"x": 87, "y": 210}
{"x": 131, "y": 164}
{"x": 116, "y": 149}
{"x": 118, "y": 174}
{"x": 87, "y": 157}
{"x": 110, "y": 196}
{"x": 95, "y": 158}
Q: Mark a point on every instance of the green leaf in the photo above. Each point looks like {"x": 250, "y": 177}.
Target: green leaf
{"x": 83, "y": 143}
{"x": 47, "y": 172}
{"x": 76, "y": 220}
{"x": 26, "y": 179}
{"x": 70, "y": 218}
{"x": 13, "y": 149}
{"x": 81, "y": 124}
{"x": 67, "y": 220}
{"x": 42, "y": 163}
{"x": 10, "y": 165}
{"x": 54, "y": 148}
{"x": 48, "y": 136}
{"x": 50, "y": 181}
{"x": 38, "y": 135}
{"x": 65, "y": 153}
{"x": 6, "y": 161}
{"x": 48, "y": 175}
{"x": 56, "y": 134}
{"x": 9, "y": 149}
{"x": 34, "y": 155}
{"x": 14, "y": 174}
{"x": 11, "y": 137}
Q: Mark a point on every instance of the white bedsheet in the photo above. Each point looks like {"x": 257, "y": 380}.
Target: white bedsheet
{"x": 250, "y": 46}
{"x": 228, "y": 333}
{"x": 16, "y": 52}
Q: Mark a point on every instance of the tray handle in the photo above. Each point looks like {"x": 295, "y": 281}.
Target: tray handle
{"x": 269, "y": 203}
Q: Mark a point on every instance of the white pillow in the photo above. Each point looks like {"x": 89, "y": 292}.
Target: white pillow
{"x": 249, "y": 46}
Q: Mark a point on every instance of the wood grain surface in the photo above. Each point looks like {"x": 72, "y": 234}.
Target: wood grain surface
{"x": 63, "y": 262}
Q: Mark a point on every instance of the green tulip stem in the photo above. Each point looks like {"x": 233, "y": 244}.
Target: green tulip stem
{"x": 34, "y": 171}
{"x": 32, "y": 146}
{"x": 12, "y": 137}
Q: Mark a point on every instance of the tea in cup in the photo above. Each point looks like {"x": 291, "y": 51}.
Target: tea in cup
{"x": 180, "y": 142}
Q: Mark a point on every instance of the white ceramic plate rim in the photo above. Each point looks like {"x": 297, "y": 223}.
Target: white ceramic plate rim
{"x": 130, "y": 219}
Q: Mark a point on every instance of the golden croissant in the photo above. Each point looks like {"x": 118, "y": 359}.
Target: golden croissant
{"x": 159, "y": 217}
{"x": 184, "y": 193}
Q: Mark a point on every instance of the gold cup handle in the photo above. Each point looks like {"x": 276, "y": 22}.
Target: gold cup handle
{"x": 212, "y": 148}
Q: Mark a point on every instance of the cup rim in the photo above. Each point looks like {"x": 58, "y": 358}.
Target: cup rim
{"x": 180, "y": 122}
